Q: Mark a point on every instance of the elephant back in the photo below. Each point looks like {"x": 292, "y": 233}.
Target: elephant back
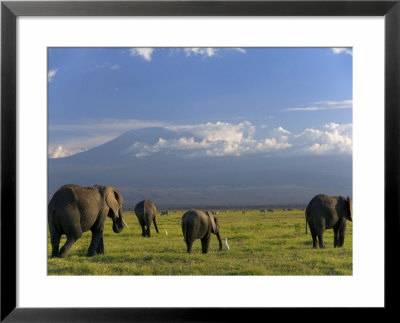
{"x": 149, "y": 206}
{"x": 196, "y": 216}
{"x": 139, "y": 207}
{"x": 144, "y": 207}
{"x": 65, "y": 195}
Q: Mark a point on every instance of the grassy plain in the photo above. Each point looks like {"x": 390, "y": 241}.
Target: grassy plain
{"x": 273, "y": 243}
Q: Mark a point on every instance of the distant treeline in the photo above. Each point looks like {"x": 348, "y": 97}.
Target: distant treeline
{"x": 129, "y": 206}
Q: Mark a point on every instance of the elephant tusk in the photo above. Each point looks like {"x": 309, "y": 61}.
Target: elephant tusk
{"x": 123, "y": 222}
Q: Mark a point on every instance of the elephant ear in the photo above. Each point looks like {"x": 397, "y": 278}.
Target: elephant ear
{"x": 213, "y": 224}
{"x": 112, "y": 197}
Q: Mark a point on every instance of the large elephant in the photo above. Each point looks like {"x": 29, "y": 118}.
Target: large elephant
{"x": 146, "y": 212}
{"x": 74, "y": 209}
{"x": 328, "y": 212}
{"x": 198, "y": 224}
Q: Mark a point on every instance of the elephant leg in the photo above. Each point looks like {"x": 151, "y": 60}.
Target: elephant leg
{"x": 148, "y": 231}
{"x": 202, "y": 245}
{"x": 342, "y": 231}
{"x": 147, "y": 223}
{"x": 336, "y": 237}
{"x": 314, "y": 240}
{"x": 341, "y": 240}
{"x": 100, "y": 248}
{"x": 68, "y": 244}
{"x": 205, "y": 243}
{"x": 314, "y": 237}
{"x": 55, "y": 244}
{"x": 97, "y": 236}
{"x": 143, "y": 230}
{"x": 321, "y": 240}
{"x": 189, "y": 246}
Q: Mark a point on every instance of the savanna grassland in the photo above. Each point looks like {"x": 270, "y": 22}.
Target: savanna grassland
{"x": 270, "y": 243}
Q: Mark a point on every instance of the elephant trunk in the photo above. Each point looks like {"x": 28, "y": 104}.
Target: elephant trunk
{"x": 219, "y": 240}
{"x": 118, "y": 224}
{"x": 117, "y": 228}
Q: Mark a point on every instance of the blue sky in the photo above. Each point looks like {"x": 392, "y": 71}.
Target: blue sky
{"x": 252, "y": 99}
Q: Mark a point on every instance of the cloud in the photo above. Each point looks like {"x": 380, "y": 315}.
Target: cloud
{"x": 224, "y": 139}
{"x": 331, "y": 138}
{"x": 219, "y": 131}
{"x": 76, "y": 144}
{"x": 324, "y": 105}
{"x": 205, "y": 52}
{"x": 51, "y": 74}
{"x": 215, "y": 139}
{"x": 209, "y": 51}
{"x": 60, "y": 151}
{"x": 206, "y": 139}
{"x": 240, "y": 50}
{"x": 79, "y": 137}
{"x": 145, "y": 53}
{"x": 342, "y": 50}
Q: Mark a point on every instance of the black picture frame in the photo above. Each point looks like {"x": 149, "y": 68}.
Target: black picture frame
{"x": 10, "y": 10}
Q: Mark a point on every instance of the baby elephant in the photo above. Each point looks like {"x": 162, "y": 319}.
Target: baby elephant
{"x": 327, "y": 212}
{"x": 197, "y": 224}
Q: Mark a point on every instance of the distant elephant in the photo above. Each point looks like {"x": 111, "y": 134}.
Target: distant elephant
{"x": 197, "y": 224}
{"x": 74, "y": 209}
{"x": 327, "y": 212}
{"x": 146, "y": 212}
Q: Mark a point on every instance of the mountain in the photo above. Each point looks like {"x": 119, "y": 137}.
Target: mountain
{"x": 173, "y": 178}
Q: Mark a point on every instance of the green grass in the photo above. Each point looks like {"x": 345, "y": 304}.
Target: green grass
{"x": 260, "y": 244}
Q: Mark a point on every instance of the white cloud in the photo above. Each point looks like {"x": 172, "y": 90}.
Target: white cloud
{"x": 51, "y": 74}
{"x": 215, "y": 139}
{"x": 219, "y": 131}
{"x": 145, "y": 53}
{"x": 331, "y": 138}
{"x": 240, "y": 50}
{"x": 205, "y": 52}
{"x": 324, "y": 105}
{"x": 209, "y": 51}
{"x": 283, "y": 131}
{"x": 207, "y": 139}
{"x": 221, "y": 139}
{"x": 60, "y": 151}
{"x": 342, "y": 50}
{"x": 76, "y": 144}
{"x": 80, "y": 137}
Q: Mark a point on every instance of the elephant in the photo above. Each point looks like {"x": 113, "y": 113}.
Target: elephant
{"x": 75, "y": 209}
{"x": 327, "y": 212}
{"x": 198, "y": 224}
{"x": 146, "y": 212}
